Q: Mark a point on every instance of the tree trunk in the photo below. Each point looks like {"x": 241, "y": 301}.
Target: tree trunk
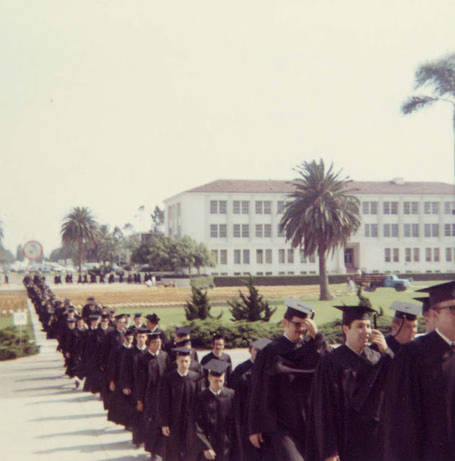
{"x": 79, "y": 250}
{"x": 324, "y": 294}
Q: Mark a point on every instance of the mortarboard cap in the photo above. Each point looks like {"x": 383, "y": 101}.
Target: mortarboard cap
{"x": 71, "y": 320}
{"x": 93, "y": 316}
{"x": 439, "y": 293}
{"x": 71, "y": 309}
{"x": 425, "y": 300}
{"x": 90, "y": 299}
{"x": 127, "y": 315}
{"x": 182, "y": 350}
{"x": 298, "y": 308}
{"x": 119, "y": 316}
{"x": 111, "y": 311}
{"x": 154, "y": 334}
{"x": 216, "y": 367}
{"x": 183, "y": 331}
{"x": 260, "y": 343}
{"x": 351, "y": 313}
{"x": 142, "y": 330}
{"x": 405, "y": 310}
{"x": 183, "y": 343}
{"x": 137, "y": 315}
{"x": 130, "y": 331}
{"x": 153, "y": 318}
{"x": 104, "y": 316}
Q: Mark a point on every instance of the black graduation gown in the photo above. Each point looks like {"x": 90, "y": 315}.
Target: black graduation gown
{"x": 215, "y": 423}
{"x": 148, "y": 393}
{"x": 280, "y": 393}
{"x": 91, "y": 361}
{"x": 347, "y": 402}
{"x": 416, "y": 416}
{"x": 70, "y": 339}
{"x": 177, "y": 411}
{"x": 240, "y": 382}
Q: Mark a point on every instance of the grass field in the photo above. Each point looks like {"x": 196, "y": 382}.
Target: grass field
{"x": 156, "y": 299}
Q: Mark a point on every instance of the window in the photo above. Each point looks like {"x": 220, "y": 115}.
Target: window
{"x": 213, "y": 230}
{"x": 213, "y": 207}
{"x": 436, "y": 254}
{"x": 387, "y": 257}
{"x": 259, "y": 256}
{"x": 396, "y": 255}
{"x": 390, "y": 207}
{"x": 394, "y": 230}
{"x": 245, "y": 207}
{"x": 246, "y": 256}
{"x": 268, "y": 256}
{"x": 236, "y": 233}
{"x": 222, "y": 205}
{"x": 449, "y": 230}
{"x": 223, "y": 256}
{"x": 290, "y": 256}
{"x": 415, "y": 230}
{"x": 237, "y": 257}
{"x": 259, "y": 231}
{"x": 279, "y": 232}
{"x": 236, "y": 206}
{"x": 411, "y": 207}
{"x": 281, "y": 256}
{"x": 431, "y": 230}
{"x": 371, "y": 230}
{"x": 267, "y": 207}
{"x": 312, "y": 258}
{"x": 280, "y": 206}
{"x": 416, "y": 252}
{"x": 407, "y": 255}
{"x": 407, "y": 230}
{"x": 302, "y": 257}
{"x": 245, "y": 230}
{"x": 267, "y": 230}
{"x": 449, "y": 208}
{"x": 223, "y": 230}
{"x": 428, "y": 255}
{"x": 215, "y": 256}
{"x": 431, "y": 207}
{"x": 259, "y": 207}
{"x": 386, "y": 230}
{"x": 449, "y": 255}
{"x": 370, "y": 207}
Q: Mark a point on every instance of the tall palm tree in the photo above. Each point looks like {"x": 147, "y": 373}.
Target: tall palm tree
{"x": 439, "y": 77}
{"x": 79, "y": 227}
{"x": 321, "y": 216}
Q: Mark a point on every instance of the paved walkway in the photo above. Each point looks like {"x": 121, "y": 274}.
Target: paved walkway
{"x": 42, "y": 416}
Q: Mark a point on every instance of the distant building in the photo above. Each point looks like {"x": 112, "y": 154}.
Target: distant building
{"x": 406, "y": 227}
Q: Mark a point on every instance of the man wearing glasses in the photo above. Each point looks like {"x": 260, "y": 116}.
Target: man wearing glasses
{"x": 418, "y": 423}
{"x": 281, "y": 380}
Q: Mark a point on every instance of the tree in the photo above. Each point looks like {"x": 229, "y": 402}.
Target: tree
{"x": 439, "y": 77}
{"x": 157, "y": 218}
{"x": 19, "y": 255}
{"x": 79, "y": 227}
{"x": 321, "y": 216}
{"x": 251, "y": 307}
{"x": 199, "y": 306}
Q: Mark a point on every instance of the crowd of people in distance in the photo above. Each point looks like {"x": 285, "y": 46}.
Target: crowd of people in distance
{"x": 373, "y": 398}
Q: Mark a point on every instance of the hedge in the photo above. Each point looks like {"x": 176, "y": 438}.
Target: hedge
{"x": 10, "y": 344}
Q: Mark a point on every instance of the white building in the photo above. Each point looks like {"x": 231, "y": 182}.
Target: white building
{"x": 406, "y": 227}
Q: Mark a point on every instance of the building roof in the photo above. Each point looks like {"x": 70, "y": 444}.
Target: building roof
{"x": 395, "y": 186}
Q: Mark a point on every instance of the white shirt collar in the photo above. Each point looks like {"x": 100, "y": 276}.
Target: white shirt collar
{"x": 215, "y": 393}
{"x": 152, "y": 354}
{"x": 185, "y": 374}
{"x": 445, "y": 338}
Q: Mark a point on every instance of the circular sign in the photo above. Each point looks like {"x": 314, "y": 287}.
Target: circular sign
{"x": 33, "y": 250}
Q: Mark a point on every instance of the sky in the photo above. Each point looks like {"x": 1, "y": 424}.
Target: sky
{"x": 116, "y": 105}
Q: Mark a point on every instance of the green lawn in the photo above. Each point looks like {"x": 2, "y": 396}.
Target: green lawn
{"x": 382, "y": 297}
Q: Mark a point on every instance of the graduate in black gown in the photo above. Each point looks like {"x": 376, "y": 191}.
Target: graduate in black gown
{"x": 177, "y": 406}
{"x": 281, "y": 383}
{"x": 418, "y": 421}
{"x": 215, "y": 426}
{"x": 348, "y": 393}
{"x": 218, "y": 354}
{"x": 148, "y": 388}
{"x": 240, "y": 382}
{"x": 91, "y": 356}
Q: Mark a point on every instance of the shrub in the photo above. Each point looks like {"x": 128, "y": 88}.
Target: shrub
{"x": 202, "y": 281}
{"x": 12, "y": 347}
{"x": 199, "y": 305}
{"x": 251, "y": 307}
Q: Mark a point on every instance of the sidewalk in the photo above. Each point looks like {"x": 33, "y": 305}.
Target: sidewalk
{"x": 43, "y": 417}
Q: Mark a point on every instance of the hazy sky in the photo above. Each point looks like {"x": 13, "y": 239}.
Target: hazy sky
{"x": 118, "y": 104}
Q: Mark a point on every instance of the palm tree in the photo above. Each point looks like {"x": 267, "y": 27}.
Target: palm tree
{"x": 79, "y": 227}
{"x": 321, "y": 216}
{"x": 439, "y": 76}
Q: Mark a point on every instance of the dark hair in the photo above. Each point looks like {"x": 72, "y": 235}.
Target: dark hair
{"x": 217, "y": 336}
{"x": 290, "y": 312}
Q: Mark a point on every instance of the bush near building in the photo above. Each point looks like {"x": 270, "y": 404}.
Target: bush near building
{"x": 13, "y": 345}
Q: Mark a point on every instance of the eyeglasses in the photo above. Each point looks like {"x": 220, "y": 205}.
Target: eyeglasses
{"x": 451, "y": 308}
{"x": 298, "y": 324}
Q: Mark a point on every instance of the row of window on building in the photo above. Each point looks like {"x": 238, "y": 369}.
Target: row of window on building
{"x": 263, "y": 256}
{"x": 409, "y": 230}
{"x": 243, "y": 206}
{"x": 392, "y": 207}
{"x": 369, "y": 207}
{"x": 414, "y": 254}
{"x": 243, "y": 230}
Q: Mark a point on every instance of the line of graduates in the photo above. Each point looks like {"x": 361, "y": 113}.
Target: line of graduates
{"x": 297, "y": 398}
{"x": 112, "y": 277}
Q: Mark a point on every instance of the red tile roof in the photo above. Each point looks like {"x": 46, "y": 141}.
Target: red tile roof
{"x": 252, "y": 186}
